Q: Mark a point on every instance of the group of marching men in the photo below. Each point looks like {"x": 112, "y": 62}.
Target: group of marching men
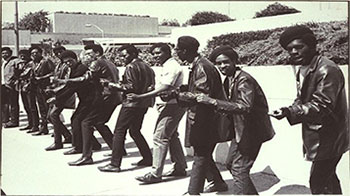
{"x": 233, "y": 110}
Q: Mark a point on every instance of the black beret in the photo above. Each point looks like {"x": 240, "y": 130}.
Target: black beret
{"x": 57, "y": 48}
{"x": 67, "y": 54}
{"x": 298, "y": 32}
{"x": 188, "y": 42}
{"x": 24, "y": 52}
{"x": 226, "y": 50}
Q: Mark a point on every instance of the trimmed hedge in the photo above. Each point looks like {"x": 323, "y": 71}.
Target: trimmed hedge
{"x": 262, "y": 47}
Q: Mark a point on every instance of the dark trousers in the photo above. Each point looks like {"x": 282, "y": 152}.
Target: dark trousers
{"x": 5, "y": 104}
{"x": 59, "y": 128}
{"x": 239, "y": 162}
{"x": 78, "y": 116}
{"x": 38, "y": 97}
{"x": 203, "y": 167}
{"x": 129, "y": 119}
{"x": 323, "y": 177}
{"x": 10, "y": 106}
{"x": 26, "y": 104}
{"x": 98, "y": 117}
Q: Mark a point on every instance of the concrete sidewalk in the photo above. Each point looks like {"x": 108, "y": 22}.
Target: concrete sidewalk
{"x": 27, "y": 169}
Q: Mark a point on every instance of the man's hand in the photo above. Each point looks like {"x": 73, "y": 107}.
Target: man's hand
{"x": 51, "y": 100}
{"x": 280, "y": 113}
{"x": 202, "y": 98}
{"x": 132, "y": 96}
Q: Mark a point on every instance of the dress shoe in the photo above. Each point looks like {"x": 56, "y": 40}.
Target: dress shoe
{"x": 143, "y": 162}
{"x": 54, "y": 146}
{"x": 40, "y": 133}
{"x": 149, "y": 178}
{"x": 33, "y": 130}
{"x": 67, "y": 140}
{"x": 72, "y": 151}
{"x": 109, "y": 168}
{"x": 81, "y": 161}
{"x": 175, "y": 173}
{"x": 212, "y": 187}
{"x": 11, "y": 125}
{"x": 26, "y": 128}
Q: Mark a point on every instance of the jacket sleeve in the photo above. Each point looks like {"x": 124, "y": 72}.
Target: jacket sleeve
{"x": 329, "y": 83}
{"x": 201, "y": 84}
{"x": 129, "y": 79}
{"x": 244, "y": 101}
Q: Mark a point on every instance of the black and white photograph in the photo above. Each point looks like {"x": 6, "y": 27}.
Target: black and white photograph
{"x": 174, "y": 97}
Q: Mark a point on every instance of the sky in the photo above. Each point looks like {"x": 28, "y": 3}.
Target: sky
{"x": 180, "y": 10}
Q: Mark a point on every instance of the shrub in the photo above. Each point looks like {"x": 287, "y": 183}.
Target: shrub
{"x": 275, "y": 9}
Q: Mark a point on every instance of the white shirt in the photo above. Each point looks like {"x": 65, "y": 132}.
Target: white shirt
{"x": 172, "y": 75}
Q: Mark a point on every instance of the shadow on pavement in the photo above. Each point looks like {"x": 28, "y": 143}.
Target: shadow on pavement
{"x": 263, "y": 181}
{"x": 293, "y": 189}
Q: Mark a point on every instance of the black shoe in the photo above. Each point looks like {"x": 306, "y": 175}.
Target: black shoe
{"x": 33, "y": 130}
{"x": 149, "y": 178}
{"x": 26, "y": 128}
{"x": 11, "y": 125}
{"x": 109, "y": 168}
{"x": 143, "y": 162}
{"x": 176, "y": 173}
{"x": 40, "y": 133}
{"x": 81, "y": 161}
{"x": 54, "y": 146}
{"x": 72, "y": 151}
{"x": 212, "y": 187}
{"x": 67, "y": 140}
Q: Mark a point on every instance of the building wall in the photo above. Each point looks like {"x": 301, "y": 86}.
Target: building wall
{"x": 8, "y": 37}
{"x": 127, "y": 25}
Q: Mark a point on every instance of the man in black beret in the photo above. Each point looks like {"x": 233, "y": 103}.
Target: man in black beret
{"x": 68, "y": 63}
{"x": 201, "y": 130}
{"x": 320, "y": 106}
{"x": 247, "y": 108}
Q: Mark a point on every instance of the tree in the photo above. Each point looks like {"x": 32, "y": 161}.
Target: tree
{"x": 37, "y": 21}
{"x": 171, "y": 22}
{"x": 275, "y": 9}
{"x": 207, "y": 18}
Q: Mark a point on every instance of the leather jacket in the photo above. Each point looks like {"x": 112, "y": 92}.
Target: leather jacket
{"x": 201, "y": 127}
{"x": 39, "y": 69}
{"x": 138, "y": 78}
{"x": 248, "y": 107}
{"x": 322, "y": 109}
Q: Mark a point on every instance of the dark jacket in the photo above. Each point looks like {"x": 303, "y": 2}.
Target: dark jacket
{"x": 103, "y": 70}
{"x": 248, "y": 106}
{"x": 322, "y": 109}
{"x": 138, "y": 78}
{"x": 9, "y": 72}
{"x": 85, "y": 90}
{"x": 40, "y": 69}
{"x": 204, "y": 78}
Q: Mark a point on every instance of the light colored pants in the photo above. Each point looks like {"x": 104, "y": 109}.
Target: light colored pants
{"x": 166, "y": 135}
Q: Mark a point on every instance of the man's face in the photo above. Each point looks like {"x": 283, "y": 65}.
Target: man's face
{"x": 35, "y": 54}
{"x": 69, "y": 61}
{"x": 159, "y": 55}
{"x": 58, "y": 52}
{"x": 125, "y": 57}
{"x": 5, "y": 54}
{"x": 300, "y": 53}
{"x": 180, "y": 52}
{"x": 22, "y": 57}
{"x": 225, "y": 65}
{"x": 89, "y": 56}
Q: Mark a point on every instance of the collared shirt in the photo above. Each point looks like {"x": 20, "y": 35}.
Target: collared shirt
{"x": 2, "y": 71}
{"x": 172, "y": 75}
